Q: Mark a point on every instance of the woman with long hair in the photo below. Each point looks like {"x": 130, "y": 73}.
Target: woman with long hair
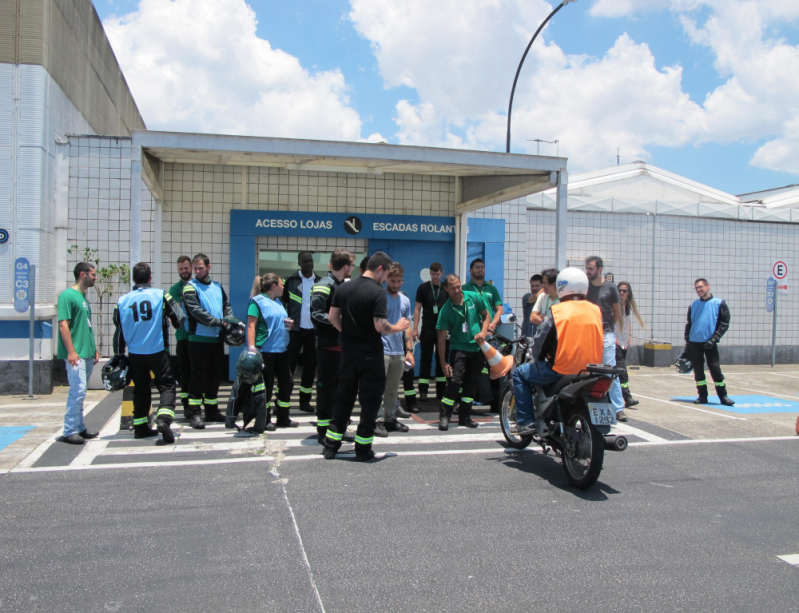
{"x": 256, "y": 287}
{"x": 268, "y": 326}
{"x": 624, "y": 335}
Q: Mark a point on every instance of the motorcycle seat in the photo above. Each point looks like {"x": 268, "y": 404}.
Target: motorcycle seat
{"x": 554, "y": 388}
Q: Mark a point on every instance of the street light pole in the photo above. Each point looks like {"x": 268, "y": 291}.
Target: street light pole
{"x": 519, "y": 69}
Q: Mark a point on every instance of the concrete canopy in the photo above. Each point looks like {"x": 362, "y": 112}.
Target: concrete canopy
{"x": 486, "y": 178}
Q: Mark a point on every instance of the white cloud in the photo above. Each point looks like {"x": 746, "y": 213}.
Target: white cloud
{"x": 461, "y": 56}
{"x": 198, "y": 66}
{"x": 781, "y": 153}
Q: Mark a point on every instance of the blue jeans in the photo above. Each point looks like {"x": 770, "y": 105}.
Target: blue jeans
{"x": 525, "y": 377}
{"x": 609, "y": 357}
{"x": 78, "y": 384}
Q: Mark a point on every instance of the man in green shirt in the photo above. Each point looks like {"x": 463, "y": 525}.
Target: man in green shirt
{"x": 466, "y": 317}
{"x": 182, "y": 333}
{"x": 77, "y": 348}
{"x": 492, "y": 299}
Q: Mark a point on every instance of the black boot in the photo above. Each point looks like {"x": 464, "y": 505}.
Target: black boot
{"x": 410, "y": 404}
{"x": 196, "y": 422}
{"x": 422, "y": 392}
{"x": 143, "y": 431}
{"x": 443, "y": 418}
{"x": 724, "y": 399}
{"x": 629, "y": 401}
{"x": 701, "y": 400}
{"x": 165, "y": 430}
{"x": 465, "y": 416}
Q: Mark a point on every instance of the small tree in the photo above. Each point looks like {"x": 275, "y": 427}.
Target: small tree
{"x": 109, "y": 278}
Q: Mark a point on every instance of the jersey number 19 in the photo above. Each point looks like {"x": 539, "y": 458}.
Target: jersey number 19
{"x": 142, "y": 310}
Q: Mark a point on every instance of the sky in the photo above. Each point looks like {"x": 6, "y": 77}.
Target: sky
{"x": 707, "y": 89}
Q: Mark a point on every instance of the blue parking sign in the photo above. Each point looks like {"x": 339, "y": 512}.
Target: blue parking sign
{"x": 22, "y": 275}
{"x": 771, "y": 288}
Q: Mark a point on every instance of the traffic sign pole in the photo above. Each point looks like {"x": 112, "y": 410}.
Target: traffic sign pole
{"x": 774, "y": 332}
{"x": 32, "y": 293}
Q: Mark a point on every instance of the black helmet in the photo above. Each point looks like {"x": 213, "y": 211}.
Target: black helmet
{"x": 116, "y": 374}
{"x": 683, "y": 365}
{"x": 235, "y": 336}
{"x": 249, "y": 366}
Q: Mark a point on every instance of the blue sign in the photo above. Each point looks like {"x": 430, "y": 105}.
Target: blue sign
{"x": 22, "y": 274}
{"x": 771, "y": 288}
{"x": 342, "y": 225}
{"x": 3, "y": 236}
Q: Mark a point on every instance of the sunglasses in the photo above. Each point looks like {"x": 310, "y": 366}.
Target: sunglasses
{"x": 624, "y": 291}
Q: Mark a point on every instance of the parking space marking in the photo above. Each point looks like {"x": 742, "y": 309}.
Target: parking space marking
{"x": 684, "y": 406}
{"x": 792, "y": 559}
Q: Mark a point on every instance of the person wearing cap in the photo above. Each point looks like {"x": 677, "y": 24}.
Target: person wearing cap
{"x": 569, "y": 338}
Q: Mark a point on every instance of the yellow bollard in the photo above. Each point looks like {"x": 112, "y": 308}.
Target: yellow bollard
{"x": 126, "y": 418}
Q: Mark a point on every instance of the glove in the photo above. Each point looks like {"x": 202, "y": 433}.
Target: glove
{"x": 227, "y": 326}
{"x": 710, "y": 344}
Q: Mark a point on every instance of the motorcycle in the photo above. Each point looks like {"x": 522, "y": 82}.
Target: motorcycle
{"x": 576, "y": 411}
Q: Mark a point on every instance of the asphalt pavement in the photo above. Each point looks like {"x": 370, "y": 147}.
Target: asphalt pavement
{"x": 694, "y": 516}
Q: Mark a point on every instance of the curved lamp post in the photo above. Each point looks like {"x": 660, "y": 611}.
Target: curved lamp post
{"x": 519, "y": 69}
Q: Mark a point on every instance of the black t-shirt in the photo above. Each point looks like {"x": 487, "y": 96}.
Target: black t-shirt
{"x": 360, "y": 302}
{"x": 604, "y": 296}
{"x": 429, "y": 297}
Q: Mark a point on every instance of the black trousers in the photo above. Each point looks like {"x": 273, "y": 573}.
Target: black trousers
{"x": 466, "y": 369}
{"x": 184, "y": 372}
{"x": 407, "y": 386}
{"x": 362, "y": 375}
{"x": 207, "y": 368}
{"x": 698, "y": 354}
{"x": 621, "y": 362}
{"x": 305, "y": 340}
{"x": 327, "y": 376}
{"x": 428, "y": 343}
{"x": 140, "y": 367}
{"x": 276, "y": 366}
{"x": 249, "y": 400}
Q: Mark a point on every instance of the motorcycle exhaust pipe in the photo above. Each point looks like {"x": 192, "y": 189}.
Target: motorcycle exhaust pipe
{"x": 615, "y": 442}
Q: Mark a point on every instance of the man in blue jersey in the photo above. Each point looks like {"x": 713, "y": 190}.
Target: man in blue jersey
{"x": 708, "y": 320}
{"x": 142, "y": 319}
{"x": 206, "y": 305}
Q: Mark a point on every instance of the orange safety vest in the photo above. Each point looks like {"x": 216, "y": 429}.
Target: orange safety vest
{"x": 580, "y": 336}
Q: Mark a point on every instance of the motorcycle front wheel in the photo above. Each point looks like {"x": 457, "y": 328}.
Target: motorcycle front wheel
{"x": 583, "y": 461}
{"x": 507, "y": 420}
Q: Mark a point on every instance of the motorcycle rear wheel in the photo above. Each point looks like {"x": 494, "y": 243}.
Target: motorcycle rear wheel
{"x": 507, "y": 420}
{"x": 583, "y": 464}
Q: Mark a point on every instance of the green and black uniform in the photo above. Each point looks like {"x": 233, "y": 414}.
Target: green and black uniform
{"x": 182, "y": 349}
{"x": 432, "y": 298}
{"x": 492, "y": 300}
{"x": 206, "y": 349}
{"x": 463, "y": 322}
{"x": 328, "y": 351}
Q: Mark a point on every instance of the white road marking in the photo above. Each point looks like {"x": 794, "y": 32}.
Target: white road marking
{"x": 661, "y": 485}
{"x": 761, "y": 391}
{"x": 626, "y": 430}
{"x": 318, "y": 456}
{"x": 685, "y": 406}
{"x": 791, "y": 559}
{"x": 94, "y": 447}
{"x": 690, "y": 374}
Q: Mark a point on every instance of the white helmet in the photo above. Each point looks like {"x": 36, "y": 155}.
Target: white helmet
{"x": 571, "y": 281}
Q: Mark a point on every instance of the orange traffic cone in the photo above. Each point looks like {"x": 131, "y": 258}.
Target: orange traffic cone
{"x": 498, "y": 364}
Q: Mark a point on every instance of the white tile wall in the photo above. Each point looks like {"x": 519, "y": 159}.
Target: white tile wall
{"x": 734, "y": 256}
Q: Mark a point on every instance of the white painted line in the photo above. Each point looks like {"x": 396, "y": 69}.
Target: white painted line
{"x": 761, "y": 391}
{"x": 776, "y": 374}
{"x": 690, "y": 408}
{"x": 33, "y": 404}
{"x": 422, "y": 453}
{"x": 44, "y": 469}
{"x": 247, "y": 444}
{"x": 690, "y": 374}
{"x": 720, "y": 440}
{"x": 791, "y": 559}
{"x": 626, "y": 430}
{"x": 95, "y": 447}
{"x": 661, "y": 485}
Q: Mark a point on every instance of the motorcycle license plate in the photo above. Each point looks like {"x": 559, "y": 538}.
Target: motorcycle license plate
{"x": 601, "y": 414}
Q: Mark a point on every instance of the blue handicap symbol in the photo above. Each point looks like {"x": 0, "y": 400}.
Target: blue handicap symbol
{"x": 748, "y": 405}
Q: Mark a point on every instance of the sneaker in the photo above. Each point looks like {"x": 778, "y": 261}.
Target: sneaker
{"x": 620, "y": 416}
{"x": 524, "y": 429}
{"x": 270, "y": 427}
{"x": 89, "y": 435}
{"x": 629, "y": 404}
{"x": 402, "y": 413}
{"x": 395, "y": 426}
{"x": 73, "y": 439}
{"x": 380, "y": 430}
